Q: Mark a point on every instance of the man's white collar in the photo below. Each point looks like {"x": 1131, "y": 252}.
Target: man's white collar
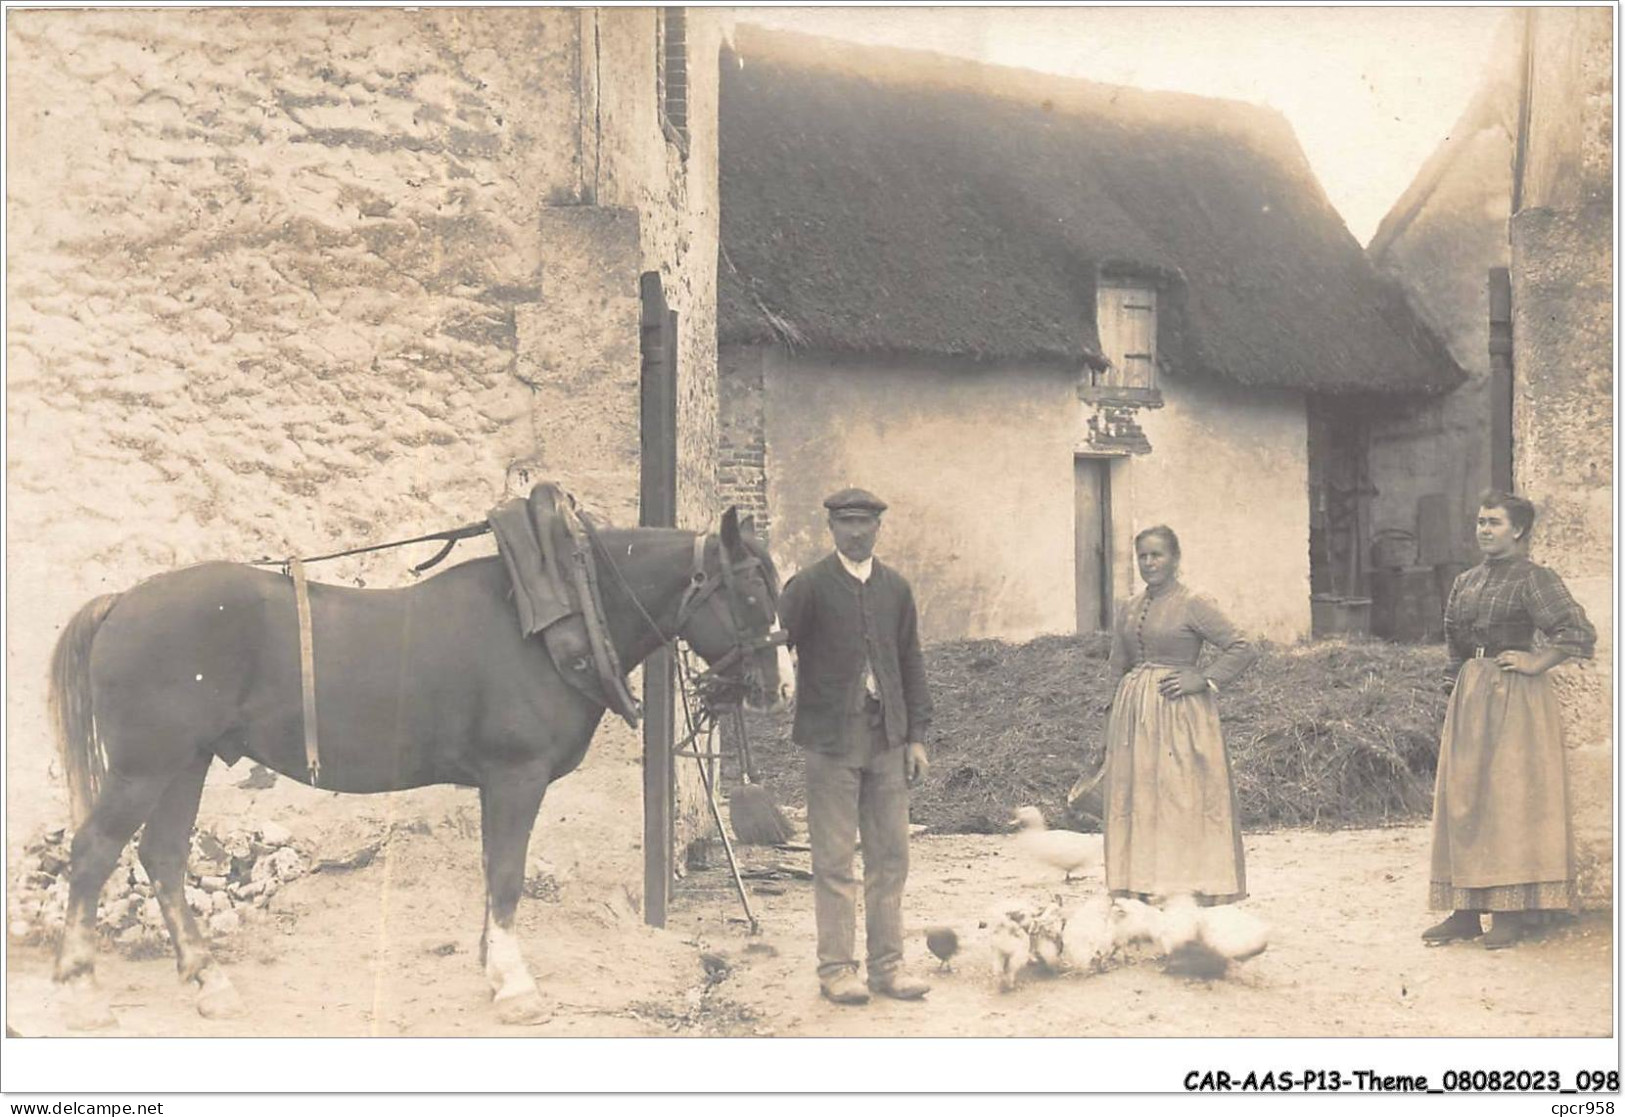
{"x": 858, "y": 570}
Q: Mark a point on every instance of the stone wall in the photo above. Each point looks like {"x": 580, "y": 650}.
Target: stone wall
{"x": 289, "y": 281}
{"x": 1562, "y": 266}
{"x": 1569, "y": 143}
{"x": 672, "y": 190}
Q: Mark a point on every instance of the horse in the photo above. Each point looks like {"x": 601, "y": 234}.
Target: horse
{"x": 432, "y": 683}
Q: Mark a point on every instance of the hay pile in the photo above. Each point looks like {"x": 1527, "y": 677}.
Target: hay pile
{"x": 1331, "y": 734}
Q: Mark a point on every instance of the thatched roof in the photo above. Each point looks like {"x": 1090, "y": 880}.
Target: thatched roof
{"x": 877, "y": 200}
{"x": 1493, "y": 110}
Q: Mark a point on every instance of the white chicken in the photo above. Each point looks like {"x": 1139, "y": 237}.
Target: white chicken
{"x": 1087, "y": 941}
{"x": 1237, "y": 935}
{"x": 1010, "y": 944}
{"x": 1102, "y": 932}
{"x": 1133, "y": 922}
{"x": 1204, "y": 942}
{"x": 1067, "y": 850}
{"x": 1179, "y": 924}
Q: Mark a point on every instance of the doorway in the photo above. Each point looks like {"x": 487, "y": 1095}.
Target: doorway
{"x": 1092, "y": 534}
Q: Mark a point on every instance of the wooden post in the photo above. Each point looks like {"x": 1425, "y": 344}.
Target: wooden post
{"x": 657, "y": 507}
{"x": 1501, "y": 379}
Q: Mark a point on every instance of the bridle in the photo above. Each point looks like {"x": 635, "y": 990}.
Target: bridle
{"x": 725, "y": 676}
{"x": 720, "y": 686}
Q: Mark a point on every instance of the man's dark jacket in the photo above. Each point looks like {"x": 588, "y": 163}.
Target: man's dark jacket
{"x": 832, "y": 619}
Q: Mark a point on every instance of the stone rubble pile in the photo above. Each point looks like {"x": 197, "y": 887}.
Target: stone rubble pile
{"x": 230, "y": 879}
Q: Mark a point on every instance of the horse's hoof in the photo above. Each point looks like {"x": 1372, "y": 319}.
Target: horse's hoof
{"x": 218, "y": 999}
{"x": 525, "y": 1009}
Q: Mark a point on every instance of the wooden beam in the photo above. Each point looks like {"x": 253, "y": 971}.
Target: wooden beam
{"x": 1501, "y": 379}
{"x": 657, "y": 507}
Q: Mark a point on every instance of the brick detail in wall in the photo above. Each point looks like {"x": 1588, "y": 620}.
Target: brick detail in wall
{"x": 741, "y": 438}
{"x": 742, "y": 480}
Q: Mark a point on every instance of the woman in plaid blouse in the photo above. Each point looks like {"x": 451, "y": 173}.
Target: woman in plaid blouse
{"x": 1500, "y": 809}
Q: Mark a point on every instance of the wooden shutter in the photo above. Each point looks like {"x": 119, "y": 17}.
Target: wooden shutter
{"x": 1126, "y": 316}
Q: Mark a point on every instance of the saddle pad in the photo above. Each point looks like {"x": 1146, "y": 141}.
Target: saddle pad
{"x": 541, "y": 594}
{"x": 535, "y": 539}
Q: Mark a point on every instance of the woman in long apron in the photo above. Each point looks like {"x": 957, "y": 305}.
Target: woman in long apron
{"x": 1171, "y": 821}
{"x": 1501, "y": 840}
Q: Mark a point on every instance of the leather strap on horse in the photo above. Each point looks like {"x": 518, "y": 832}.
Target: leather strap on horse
{"x": 584, "y": 576}
{"x": 307, "y": 668}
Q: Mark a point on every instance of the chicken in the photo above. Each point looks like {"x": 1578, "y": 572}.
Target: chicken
{"x": 1086, "y": 939}
{"x": 944, "y": 943}
{"x": 1134, "y": 921}
{"x": 1180, "y": 924}
{"x": 1204, "y": 942}
{"x": 1067, "y": 850}
{"x": 1102, "y": 932}
{"x": 1237, "y": 935}
{"x": 1045, "y": 930}
{"x": 1011, "y": 946}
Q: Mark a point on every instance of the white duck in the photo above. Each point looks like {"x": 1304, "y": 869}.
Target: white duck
{"x": 1067, "y": 850}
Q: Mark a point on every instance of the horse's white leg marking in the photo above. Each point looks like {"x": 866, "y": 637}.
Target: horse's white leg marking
{"x": 514, "y": 992}
{"x": 504, "y": 963}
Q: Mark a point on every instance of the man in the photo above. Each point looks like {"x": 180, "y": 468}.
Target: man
{"x": 862, "y": 712}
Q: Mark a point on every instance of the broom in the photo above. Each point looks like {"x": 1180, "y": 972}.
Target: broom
{"x": 755, "y": 818}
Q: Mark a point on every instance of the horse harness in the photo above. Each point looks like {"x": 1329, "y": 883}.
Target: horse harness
{"x": 700, "y": 591}
{"x": 307, "y": 668}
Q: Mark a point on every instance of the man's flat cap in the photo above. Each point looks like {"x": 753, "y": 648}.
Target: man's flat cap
{"x": 854, "y": 500}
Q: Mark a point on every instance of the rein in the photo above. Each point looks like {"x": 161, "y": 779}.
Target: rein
{"x": 450, "y": 536}
{"x": 712, "y": 688}
{"x": 702, "y": 589}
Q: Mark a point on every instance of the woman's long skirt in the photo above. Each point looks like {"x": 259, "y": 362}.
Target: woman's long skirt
{"x": 1501, "y": 838}
{"x": 1171, "y": 821}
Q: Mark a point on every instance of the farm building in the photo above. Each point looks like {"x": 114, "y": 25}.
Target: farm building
{"x": 1562, "y": 236}
{"x": 1504, "y": 243}
{"x": 1036, "y": 315}
{"x": 1445, "y": 241}
{"x": 285, "y": 282}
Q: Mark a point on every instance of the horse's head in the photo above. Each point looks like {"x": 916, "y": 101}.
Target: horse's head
{"x": 730, "y": 615}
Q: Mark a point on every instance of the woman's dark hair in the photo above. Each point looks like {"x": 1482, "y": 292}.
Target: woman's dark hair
{"x": 1518, "y": 510}
{"x": 1163, "y": 530}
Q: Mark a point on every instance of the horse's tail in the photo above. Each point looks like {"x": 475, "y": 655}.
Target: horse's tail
{"x": 84, "y": 759}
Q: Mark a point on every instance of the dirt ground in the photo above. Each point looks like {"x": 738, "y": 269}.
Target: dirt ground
{"x": 390, "y": 948}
